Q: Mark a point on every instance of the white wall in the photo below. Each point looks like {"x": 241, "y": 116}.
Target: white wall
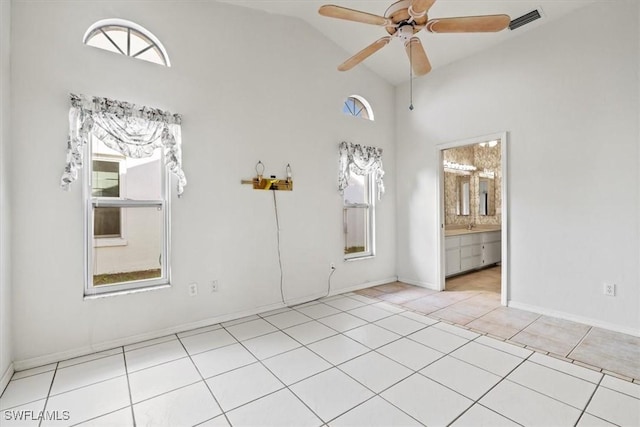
{"x": 251, "y": 86}
{"x": 568, "y": 96}
{"x": 6, "y": 345}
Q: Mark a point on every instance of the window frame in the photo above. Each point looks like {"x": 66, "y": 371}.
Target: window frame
{"x": 89, "y": 202}
{"x": 365, "y": 106}
{"x": 370, "y": 228}
{"x": 129, "y": 26}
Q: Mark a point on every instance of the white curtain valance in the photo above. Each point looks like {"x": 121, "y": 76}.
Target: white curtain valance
{"x": 131, "y": 130}
{"x": 361, "y": 160}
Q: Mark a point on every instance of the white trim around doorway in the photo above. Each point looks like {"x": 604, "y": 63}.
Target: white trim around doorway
{"x": 503, "y": 137}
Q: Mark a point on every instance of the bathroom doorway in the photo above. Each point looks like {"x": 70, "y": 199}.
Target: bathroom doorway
{"x": 473, "y": 238}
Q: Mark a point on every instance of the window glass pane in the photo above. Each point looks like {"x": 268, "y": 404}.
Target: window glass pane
{"x": 106, "y": 222}
{"x": 119, "y": 37}
{"x": 356, "y": 230}
{"x": 151, "y": 55}
{"x": 137, "y": 43}
{"x": 358, "y": 190}
{"x": 144, "y": 177}
{"x": 106, "y": 179}
{"x": 138, "y": 256}
{"x": 99, "y": 40}
{"x": 140, "y": 179}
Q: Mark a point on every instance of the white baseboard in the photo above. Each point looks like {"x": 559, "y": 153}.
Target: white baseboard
{"x": 419, "y": 283}
{"x": 21, "y": 365}
{"x": 365, "y": 285}
{"x": 574, "y": 318}
{"x": 6, "y": 377}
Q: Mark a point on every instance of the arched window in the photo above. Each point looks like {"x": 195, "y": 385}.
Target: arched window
{"x": 357, "y": 106}
{"x": 126, "y": 38}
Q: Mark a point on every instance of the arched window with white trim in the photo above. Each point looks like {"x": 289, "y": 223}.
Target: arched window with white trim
{"x": 126, "y": 38}
{"x": 357, "y": 106}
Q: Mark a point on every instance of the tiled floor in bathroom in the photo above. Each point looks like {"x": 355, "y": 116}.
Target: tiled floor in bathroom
{"x": 348, "y": 360}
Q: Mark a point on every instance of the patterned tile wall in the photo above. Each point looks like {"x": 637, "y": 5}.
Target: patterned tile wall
{"x": 484, "y": 158}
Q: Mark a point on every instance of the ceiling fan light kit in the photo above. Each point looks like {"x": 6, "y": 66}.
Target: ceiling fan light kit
{"x": 404, "y": 19}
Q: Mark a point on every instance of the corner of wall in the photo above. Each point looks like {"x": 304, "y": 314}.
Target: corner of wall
{"x": 6, "y": 335}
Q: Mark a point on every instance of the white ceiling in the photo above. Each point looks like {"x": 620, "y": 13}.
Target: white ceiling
{"x": 391, "y": 62}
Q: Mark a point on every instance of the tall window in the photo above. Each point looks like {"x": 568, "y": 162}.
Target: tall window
{"x": 130, "y": 151}
{"x": 358, "y": 217}
{"x": 126, "y": 38}
{"x": 127, "y": 213}
{"x": 360, "y": 175}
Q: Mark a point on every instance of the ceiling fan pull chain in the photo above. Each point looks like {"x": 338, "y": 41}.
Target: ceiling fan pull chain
{"x": 410, "y": 78}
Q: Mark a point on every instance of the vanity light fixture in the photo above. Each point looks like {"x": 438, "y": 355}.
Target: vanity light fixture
{"x": 491, "y": 144}
{"x": 271, "y": 183}
{"x": 458, "y": 166}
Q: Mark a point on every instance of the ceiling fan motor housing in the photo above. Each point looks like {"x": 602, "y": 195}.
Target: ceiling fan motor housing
{"x": 405, "y": 26}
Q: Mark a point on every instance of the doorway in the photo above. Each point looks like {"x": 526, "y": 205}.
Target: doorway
{"x": 473, "y": 215}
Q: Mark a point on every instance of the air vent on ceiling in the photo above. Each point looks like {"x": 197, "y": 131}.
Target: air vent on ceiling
{"x": 525, "y": 19}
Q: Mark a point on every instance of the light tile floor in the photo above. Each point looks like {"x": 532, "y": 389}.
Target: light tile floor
{"x": 473, "y": 301}
{"x": 348, "y": 360}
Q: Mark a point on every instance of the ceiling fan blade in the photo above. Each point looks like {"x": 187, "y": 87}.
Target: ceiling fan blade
{"x": 340, "y": 12}
{"x": 364, "y": 53}
{"x": 420, "y": 8}
{"x": 418, "y": 57}
{"x": 469, "y": 24}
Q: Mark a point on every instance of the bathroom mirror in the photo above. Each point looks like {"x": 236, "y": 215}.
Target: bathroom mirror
{"x": 463, "y": 185}
{"x": 486, "y": 196}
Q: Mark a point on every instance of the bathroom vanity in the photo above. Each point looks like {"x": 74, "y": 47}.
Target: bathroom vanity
{"x": 468, "y": 250}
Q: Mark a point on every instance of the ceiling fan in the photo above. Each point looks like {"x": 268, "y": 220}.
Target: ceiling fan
{"x": 403, "y": 19}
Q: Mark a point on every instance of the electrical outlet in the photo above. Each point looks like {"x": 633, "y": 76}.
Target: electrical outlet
{"x": 214, "y": 286}
{"x": 193, "y": 289}
{"x": 609, "y": 289}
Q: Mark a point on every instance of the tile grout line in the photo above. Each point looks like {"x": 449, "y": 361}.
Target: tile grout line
{"x": 580, "y": 341}
{"x": 332, "y": 365}
{"x": 589, "y": 401}
{"x": 126, "y": 371}
{"x": 44, "y": 408}
{"x": 277, "y": 378}
{"x": 215, "y": 399}
{"x": 477, "y": 401}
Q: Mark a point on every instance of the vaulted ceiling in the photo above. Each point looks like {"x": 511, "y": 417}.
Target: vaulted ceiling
{"x": 391, "y": 62}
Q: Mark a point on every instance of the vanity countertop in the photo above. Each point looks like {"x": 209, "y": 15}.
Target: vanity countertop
{"x": 478, "y": 229}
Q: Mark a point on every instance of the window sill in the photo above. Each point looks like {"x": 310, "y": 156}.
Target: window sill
{"x": 126, "y": 292}
{"x": 359, "y": 258}
{"x": 109, "y": 241}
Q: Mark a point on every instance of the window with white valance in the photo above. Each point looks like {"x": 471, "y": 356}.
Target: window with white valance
{"x": 125, "y": 155}
{"x": 361, "y": 160}
{"x": 360, "y": 177}
{"x": 131, "y": 130}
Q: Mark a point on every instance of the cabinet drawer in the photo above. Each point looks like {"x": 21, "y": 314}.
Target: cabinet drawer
{"x": 452, "y": 242}
{"x": 470, "y": 251}
{"x": 471, "y": 239}
{"x": 491, "y": 236}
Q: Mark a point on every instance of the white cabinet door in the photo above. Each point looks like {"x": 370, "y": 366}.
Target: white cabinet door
{"x": 491, "y": 253}
{"x": 452, "y": 255}
{"x": 452, "y": 261}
